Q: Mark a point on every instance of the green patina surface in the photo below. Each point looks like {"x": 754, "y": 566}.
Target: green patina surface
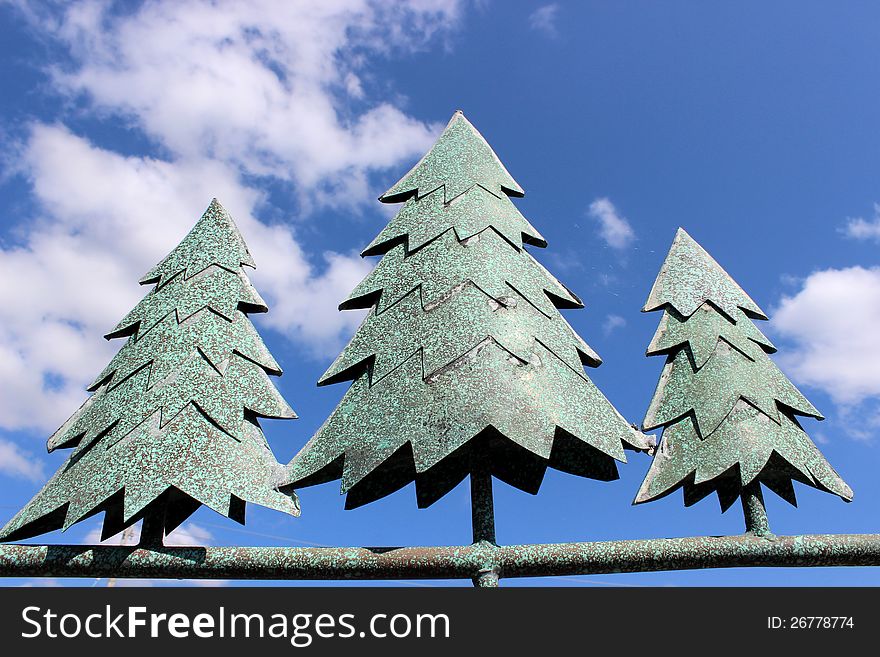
{"x": 711, "y": 391}
{"x": 460, "y": 159}
{"x": 689, "y": 276}
{"x": 728, "y": 413}
{"x": 454, "y": 562}
{"x": 453, "y": 326}
{"x": 172, "y": 423}
{"x": 498, "y": 271}
{"x": 424, "y": 218}
{"x": 701, "y": 331}
{"x": 210, "y": 288}
{"x": 464, "y": 364}
{"x": 214, "y": 240}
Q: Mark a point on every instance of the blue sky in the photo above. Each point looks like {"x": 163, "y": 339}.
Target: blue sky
{"x": 753, "y": 126}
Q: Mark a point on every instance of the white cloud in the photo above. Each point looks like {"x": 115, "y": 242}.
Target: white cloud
{"x": 864, "y": 229}
{"x": 612, "y": 323}
{"x": 544, "y": 18}
{"x": 186, "y": 535}
{"x": 189, "y": 534}
{"x": 78, "y": 267}
{"x": 235, "y": 95}
{"x": 613, "y": 227}
{"x": 262, "y": 85}
{"x": 14, "y": 462}
{"x": 129, "y": 536}
{"x": 832, "y": 322}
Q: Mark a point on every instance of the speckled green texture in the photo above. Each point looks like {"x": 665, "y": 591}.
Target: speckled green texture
{"x": 710, "y": 392}
{"x": 446, "y": 331}
{"x": 214, "y": 240}
{"x": 407, "y": 428}
{"x": 689, "y": 276}
{"x": 728, "y": 413}
{"x": 423, "y": 219}
{"x": 460, "y": 159}
{"x": 464, "y": 364}
{"x": 165, "y": 346}
{"x": 499, "y": 272}
{"x": 448, "y": 562}
{"x": 211, "y": 288}
{"x": 701, "y": 332}
{"x": 172, "y": 423}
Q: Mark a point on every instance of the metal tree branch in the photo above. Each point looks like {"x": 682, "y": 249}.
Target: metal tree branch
{"x": 483, "y": 520}
{"x": 453, "y": 562}
{"x": 482, "y": 507}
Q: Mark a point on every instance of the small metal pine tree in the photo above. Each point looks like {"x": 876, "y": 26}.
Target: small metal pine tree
{"x": 172, "y": 423}
{"x": 728, "y": 413}
{"x": 464, "y": 367}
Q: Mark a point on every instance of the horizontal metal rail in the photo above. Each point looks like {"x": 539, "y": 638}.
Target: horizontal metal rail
{"x": 465, "y": 562}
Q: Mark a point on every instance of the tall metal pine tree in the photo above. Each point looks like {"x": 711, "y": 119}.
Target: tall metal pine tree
{"x": 729, "y": 415}
{"x": 464, "y": 366}
{"x": 172, "y": 423}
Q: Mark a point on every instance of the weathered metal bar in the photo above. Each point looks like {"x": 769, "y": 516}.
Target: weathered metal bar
{"x": 482, "y": 507}
{"x": 754, "y": 510}
{"x": 691, "y": 553}
{"x": 465, "y": 562}
{"x": 483, "y": 522}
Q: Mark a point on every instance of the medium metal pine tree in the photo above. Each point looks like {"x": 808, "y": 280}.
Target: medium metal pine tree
{"x": 728, "y": 413}
{"x": 172, "y": 423}
{"x": 464, "y": 367}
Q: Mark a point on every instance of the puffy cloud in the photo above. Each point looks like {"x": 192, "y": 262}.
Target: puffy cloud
{"x": 832, "y": 322}
{"x": 264, "y": 85}
{"x": 110, "y": 234}
{"x": 15, "y": 462}
{"x": 612, "y": 323}
{"x": 234, "y": 98}
{"x": 864, "y": 229}
{"x": 75, "y": 274}
{"x": 544, "y": 18}
{"x": 613, "y": 227}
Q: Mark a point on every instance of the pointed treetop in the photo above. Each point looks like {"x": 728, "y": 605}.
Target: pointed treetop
{"x": 214, "y": 240}
{"x": 460, "y": 159}
{"x": 690, "y": 276}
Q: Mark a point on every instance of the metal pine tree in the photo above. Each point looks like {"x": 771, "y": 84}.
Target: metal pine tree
{"x": 464, "y": 367}
{"x": 172, "y": 423}
{"x": 729, "y": 415}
